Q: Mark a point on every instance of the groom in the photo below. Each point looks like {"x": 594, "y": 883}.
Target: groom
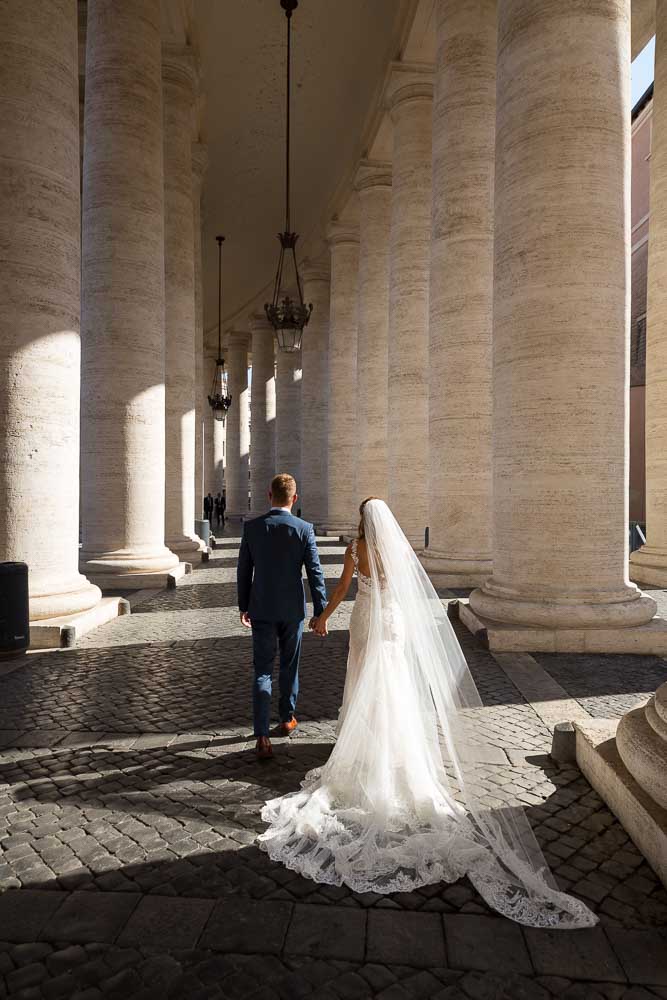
{"x": 272, "y": 602}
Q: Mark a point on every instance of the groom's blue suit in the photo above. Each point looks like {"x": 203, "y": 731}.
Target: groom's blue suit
{"x": 274, "y": 549}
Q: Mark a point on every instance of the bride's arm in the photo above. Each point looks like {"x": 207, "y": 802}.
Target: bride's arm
{"x": 340, "y": 592}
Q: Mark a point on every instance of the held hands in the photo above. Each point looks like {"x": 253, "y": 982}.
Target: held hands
{"x": 245, "y": 619}
{"x": 318, "y": 625}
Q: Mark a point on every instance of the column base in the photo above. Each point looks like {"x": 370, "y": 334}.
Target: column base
{"x": 63, "y": 631}
{"x": 127, "y": 570}
{"x": 649, "y": 639}
{"x": 143, "y": 581}
{"x": 333, "y": 529}
{"x": 79, "y": 597}
{"x": 622, "y": 608}
{"x": 445, "y": 572}
{"x": 238, "y": 515}
{"x": 643, "y": 819}
{"x": 648, "y": 566}
{"x": 188, "y": 547}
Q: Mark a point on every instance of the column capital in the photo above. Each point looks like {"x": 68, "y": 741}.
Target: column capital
{"x": 257, "y": 320}
{"x": 199, "y": 160}
{"x": 408, "y": 82}
{"x": 313, "y": 270}
{"x": 372, "y": 174}
{"x": 178, "y": 65}
{"x": 339, "y": 233}
{"x": 237, "y": 339}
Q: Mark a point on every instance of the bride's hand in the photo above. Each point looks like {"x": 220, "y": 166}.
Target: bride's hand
{"x": 319, "y": 626}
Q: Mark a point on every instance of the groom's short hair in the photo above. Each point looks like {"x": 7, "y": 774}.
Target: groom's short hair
{"x": 283, "y": 488}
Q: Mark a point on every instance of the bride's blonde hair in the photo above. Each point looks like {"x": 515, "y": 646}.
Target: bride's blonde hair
{"x": 362, "y": 532}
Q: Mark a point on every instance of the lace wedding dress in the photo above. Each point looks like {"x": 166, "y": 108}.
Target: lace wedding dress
{"x": 401, "y": 801}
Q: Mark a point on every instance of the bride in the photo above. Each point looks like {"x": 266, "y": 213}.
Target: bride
{"x": 399, "y": 804}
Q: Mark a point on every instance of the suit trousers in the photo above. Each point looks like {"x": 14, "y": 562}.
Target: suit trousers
{"x": 264, "y": 637}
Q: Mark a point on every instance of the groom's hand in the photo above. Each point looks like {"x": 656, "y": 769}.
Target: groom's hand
{"x": 245, "y": 619}
{"x": 319, "y": 627}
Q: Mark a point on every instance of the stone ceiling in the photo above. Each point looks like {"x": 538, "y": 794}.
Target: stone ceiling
{"x": 341, "y": 55}
{"x": 341, "y": 51}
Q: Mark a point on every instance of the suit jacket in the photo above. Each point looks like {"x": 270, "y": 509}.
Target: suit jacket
{"x": 274, "y": 548}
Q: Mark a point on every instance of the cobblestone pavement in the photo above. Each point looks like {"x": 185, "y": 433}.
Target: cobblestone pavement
{"x": 129, "y": 807}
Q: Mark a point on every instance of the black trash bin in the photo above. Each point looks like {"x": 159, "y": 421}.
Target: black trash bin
{"x": 14, "y": 610}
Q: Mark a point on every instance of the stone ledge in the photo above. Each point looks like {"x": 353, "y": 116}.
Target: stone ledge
{"x": 650, "y": 639}
{"x": 642, "y": 818}
{"x": 59, "y": 633}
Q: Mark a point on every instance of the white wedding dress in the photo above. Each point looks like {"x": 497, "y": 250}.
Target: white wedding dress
{"x": 399, "y": 803}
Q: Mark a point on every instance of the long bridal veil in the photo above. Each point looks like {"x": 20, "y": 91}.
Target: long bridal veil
{"x": 400, "y": 802}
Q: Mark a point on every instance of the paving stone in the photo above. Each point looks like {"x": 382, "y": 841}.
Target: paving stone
{"x": 89, "y": 916}
{"x": 23, "y": 954}
{"x": 414, "y": 939}
{"x": 485, "y": 943}
{"x": 584, "y": 953}
{"x": 327, "y": 932}
{"x": 243, "y": 925}
{"x": 169, "y": 923}
{"x": 642, "y": 953}
{"x": 24, "y": 913}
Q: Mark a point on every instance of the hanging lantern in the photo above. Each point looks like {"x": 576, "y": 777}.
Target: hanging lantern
{"x": 288, "y": 315}
{"x": 219, "y": 398}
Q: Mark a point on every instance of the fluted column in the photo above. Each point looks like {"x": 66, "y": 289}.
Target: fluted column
{"x": 560, "y": 351}
{"x": 214, "y": 432}
{"x": 178, "y": 94}
{"x": 40, "y": 292}
{"x": 461, "y": 294}
{"x": 410, "y": 99}
{"x": 314, "y": 413}
{"x": 373, "y": 184}
{"x": 649, "y": 564}
{"x": 237, "y": 427}
{"x": 199, "y": 165}
{"x": 122, "y": 393}
{"x": 288, "y": 412}
{"x": 342, "y": 422}
{"x": 262, "y": 412}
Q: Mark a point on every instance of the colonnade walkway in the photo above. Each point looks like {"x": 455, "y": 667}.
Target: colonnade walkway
{"x": 129, "y": 807}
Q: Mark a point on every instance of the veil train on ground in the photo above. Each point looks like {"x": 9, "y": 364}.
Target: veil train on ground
{"x": 400, "y": 803}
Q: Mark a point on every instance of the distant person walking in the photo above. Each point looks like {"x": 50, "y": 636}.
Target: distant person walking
{"x": 219, "y": 510}
{"x": 208, "y": 507}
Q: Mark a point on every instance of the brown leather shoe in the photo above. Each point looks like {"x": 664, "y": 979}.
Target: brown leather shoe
{"x": 264, "y": 748}
{"x": 287, "y": 728}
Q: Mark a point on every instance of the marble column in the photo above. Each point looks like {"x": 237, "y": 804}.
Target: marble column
{"x": 288, "y": 412}
{"x": 199, "y": 165}
{"x": 122, "y": 319}
{"x": 178, "y": 77}
{"x": 237, "y": 425}
{"x": 560, "y": 331}
{"x": 214, "y": 431}
{"x": 461, "y": 294}
{"x": 262, "y": 412}
{"x": 649, "y": 564}
{"x": 342, "y": 428}
{"x": 219, "y": 456}
{"x": 314, "y": 413}
{"x": 373, "y": 184}
{"x": 410, "y": 100}
{"x": 40, "y": 291}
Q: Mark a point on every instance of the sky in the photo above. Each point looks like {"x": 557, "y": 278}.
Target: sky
{"x": 642, "y": 71}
